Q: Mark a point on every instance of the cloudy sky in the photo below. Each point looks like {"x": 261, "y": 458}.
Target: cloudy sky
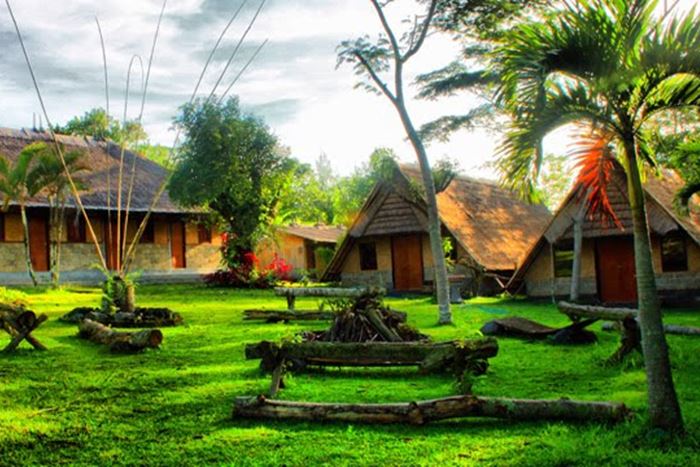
{"x": 293, "y": 85}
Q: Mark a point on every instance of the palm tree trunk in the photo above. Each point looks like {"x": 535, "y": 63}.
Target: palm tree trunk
{"x": 442, "y": 284}
{"x": 664, "y": 409}
{"x": 27, "y": 250}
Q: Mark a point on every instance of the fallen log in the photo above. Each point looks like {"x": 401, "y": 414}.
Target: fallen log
{"x": 275, "y": 316}
{"x": 576, "y": 312}
{"x": 668, "y": 329}
{"x": 421, "y": 412}
{"x": 125, "y": 342}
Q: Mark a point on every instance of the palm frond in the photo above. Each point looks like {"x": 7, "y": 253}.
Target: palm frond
{"x": 596, "y": 164}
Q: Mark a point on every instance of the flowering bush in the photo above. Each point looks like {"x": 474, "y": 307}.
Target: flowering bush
{"x": 249, "y": 275}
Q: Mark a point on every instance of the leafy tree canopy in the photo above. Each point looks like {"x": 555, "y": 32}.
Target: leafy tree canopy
{"x": 231, "y": 163}
{"x": 99, "y": 125}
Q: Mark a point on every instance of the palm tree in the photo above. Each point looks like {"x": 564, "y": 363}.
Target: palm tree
{"x": 19, "y": 183}
{"x": 51, "y": 177}
{"x": 610, "y": 66}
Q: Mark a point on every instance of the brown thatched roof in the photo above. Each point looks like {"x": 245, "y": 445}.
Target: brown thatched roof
{"x": 490, "y": 223}
{"x": 662, "y": 215}
{"x": 316, "y": 233}
{"x": 103, "y": 159}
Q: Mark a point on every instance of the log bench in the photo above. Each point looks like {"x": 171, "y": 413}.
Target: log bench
{"x": 463, "y": 358}
{"x": 19, "y": 324}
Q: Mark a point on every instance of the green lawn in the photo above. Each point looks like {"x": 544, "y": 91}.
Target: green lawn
{"x": 79, "y": 404}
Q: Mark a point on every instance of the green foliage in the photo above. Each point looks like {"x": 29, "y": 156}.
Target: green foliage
{"x": 477, "y": 24}
{"x": 97, "y": 124}
{"x": 13, "y": 296}
{"x": 232, "y": 164}
{"x": 154, "y": 152}
{"x": 566, "y": 69}
{"x": 79, "y": 405}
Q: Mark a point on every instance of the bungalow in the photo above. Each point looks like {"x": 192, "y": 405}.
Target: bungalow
{"x": 306, "y": 247}
{"x": 491, "y": 230}
{"x": 607, "y": 253}
{"x": 174, "y": 246}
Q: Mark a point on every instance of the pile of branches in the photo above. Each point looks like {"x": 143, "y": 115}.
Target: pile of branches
{"x": 140, "y": 318}
{"x": 367, "y": 319}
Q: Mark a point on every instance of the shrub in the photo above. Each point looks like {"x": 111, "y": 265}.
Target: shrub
{"x": 249, "y": 275}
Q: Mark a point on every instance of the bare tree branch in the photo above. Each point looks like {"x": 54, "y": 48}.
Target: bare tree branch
{"x": 424, "y": 32}
{"x": 390, "y": 34}
{"x": 377, "y": 80}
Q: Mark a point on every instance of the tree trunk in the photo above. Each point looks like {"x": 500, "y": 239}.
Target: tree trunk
{"x": 578, "y": 246}
{"x": 120, "y": 341}
{"x": 576, "y": 312}
{"x": 421, "y": 412}
{"x": 664, "y": 409}
{"x": 27, "y": 248}
{"x": 57, "y": 217}
{"x": 442, "y": 284}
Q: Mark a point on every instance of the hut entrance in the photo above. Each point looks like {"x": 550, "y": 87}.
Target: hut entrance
{"x": 39, "y": 243}
{"x": 177, "y": 244}
{"x": 407, "y": 259}
{"x": 615, "y": 269}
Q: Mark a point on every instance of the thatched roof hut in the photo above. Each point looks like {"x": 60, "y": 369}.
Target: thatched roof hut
{"x": 490, "y": 227}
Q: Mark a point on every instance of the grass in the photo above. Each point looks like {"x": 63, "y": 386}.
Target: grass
{"x": 78, "y": 404}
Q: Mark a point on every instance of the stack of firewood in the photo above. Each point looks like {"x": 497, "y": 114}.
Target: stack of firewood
{"x": 367, "y": 320}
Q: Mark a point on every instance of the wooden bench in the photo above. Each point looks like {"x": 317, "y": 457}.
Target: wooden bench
{"x": 291, "y": 294}
{"x": 19, "y": 324}
{"x": 464, "y": 358}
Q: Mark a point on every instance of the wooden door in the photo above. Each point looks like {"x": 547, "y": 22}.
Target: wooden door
{"x": 616, "y": 271}
{"x": 177, "y": 245}
{"x": 39, "y": 242}
{"x": 407, "y": 260}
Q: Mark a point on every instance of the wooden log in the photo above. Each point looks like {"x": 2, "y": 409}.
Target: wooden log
{"x": 20, "y": 324}
{"x": 429, "y": 357}
{"x": 419, "y": 413}
{"x": 576, "y": 312}
{"x": 325, "y": 291}
{"x": 275, "y": 316}
{"x": 382, "y": 328}
{"x": 668, "y": 329}
{"x": 126, "y": 342}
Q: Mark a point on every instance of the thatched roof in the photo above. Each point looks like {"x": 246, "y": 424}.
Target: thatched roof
{"x": 103, "y": 160}
{"x": 489, "y": 222}
{"x": 316, "y": 233}
{"x": 662, "y": 215}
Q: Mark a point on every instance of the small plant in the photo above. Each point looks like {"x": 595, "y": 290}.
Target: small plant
{"x": 247, "y": 274}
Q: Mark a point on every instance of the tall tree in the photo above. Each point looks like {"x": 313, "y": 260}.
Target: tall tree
{"x": 18, "y": 184}
{"x": 390, "y": 52}
{"x": 229, "y": 162}
{"x": 97, "y": 124}
{"x": 610, "y": 66}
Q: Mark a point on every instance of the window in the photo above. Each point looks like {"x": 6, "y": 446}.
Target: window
{"x": 204, "y": 233}
{"x": 76, "y": 230}
{"x": 368, "y": 256}
{"x": 148, "y": 233}
{"x": 673, "y": 253}
{"x": 563, "y": 260}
